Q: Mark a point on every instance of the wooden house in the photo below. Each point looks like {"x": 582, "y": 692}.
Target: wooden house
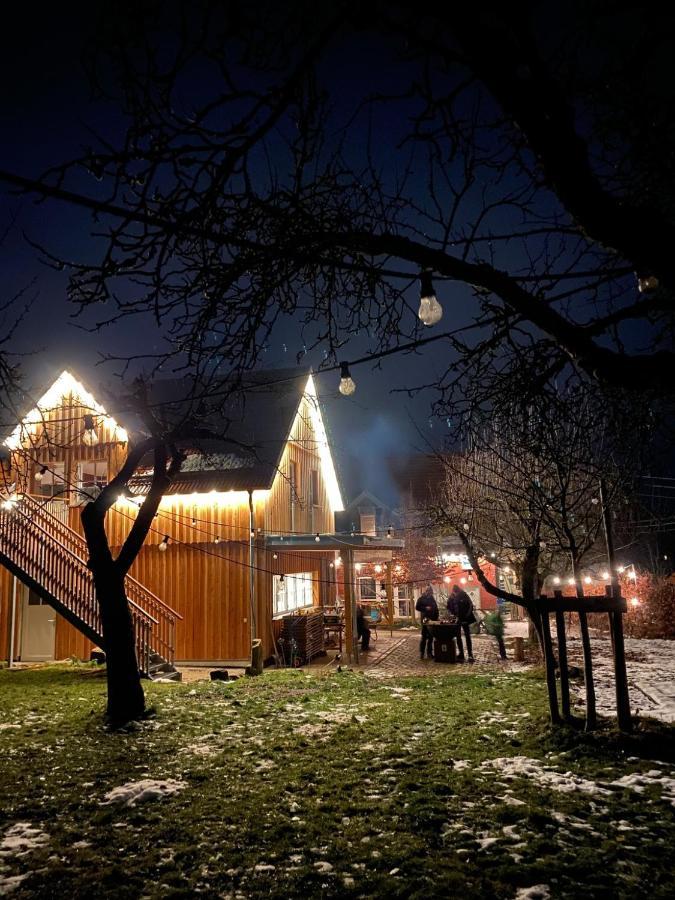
{"x": 241, "y": 537}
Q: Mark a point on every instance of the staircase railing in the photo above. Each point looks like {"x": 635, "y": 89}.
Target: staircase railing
{"x": 37, "y": 544}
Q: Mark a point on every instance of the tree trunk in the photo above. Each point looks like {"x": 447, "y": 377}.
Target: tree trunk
{"x": 126, "y": 700}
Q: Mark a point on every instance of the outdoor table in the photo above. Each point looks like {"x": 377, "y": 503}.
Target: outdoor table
{"x": 334, "y": 628}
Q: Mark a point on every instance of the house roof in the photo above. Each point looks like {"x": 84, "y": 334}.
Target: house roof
{"x": 239, "y": 429}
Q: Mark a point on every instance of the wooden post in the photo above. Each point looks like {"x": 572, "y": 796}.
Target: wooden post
{"x": 589, "y": 686}
{"x": 350, "y": 607}
{"x": 550, "y": 669}
{"x": 562, "y": 660}
{"x": 616, "y": 625}
{"x": 390, "y": 597}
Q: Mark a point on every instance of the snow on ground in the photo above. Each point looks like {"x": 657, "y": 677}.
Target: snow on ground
{"x": 141, "y": 791}
{"x": 651, "y": 675}
{"x": 21, "y": 838}
{"x": 512, "y": 767}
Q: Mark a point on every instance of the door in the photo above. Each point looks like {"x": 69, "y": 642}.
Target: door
{"x": 38, "y": 629}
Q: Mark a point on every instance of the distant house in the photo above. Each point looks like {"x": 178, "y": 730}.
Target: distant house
{"x": 244, "y": 534}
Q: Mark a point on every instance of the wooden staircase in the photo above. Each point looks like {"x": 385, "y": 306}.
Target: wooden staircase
{"x": 51, "y": 559}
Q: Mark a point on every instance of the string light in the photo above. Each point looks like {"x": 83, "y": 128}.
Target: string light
{"x": 463, "y": 580}
{"x": 378, "y": 569}
{"x": 605, "y": 576}
{"x": 358, "y": 567}
{"x": 390, "y": 532}
{"x": 556, "y": 579}
{"x": 587, "y": 579}
{"x": 317, "y": 539}
{"x": 275, "y": 556}
{"x": 570, "y": 581}
{"x": 634, "y": 601}
{"x": 89, "y": 438}
{"x": 338, "y": 561}
{"x": 430, "y": 311}
{"x": 216, "y": 540}
{"x": 164, "y": 543}
{"x": 347, "y": 383}
{"x": 465, "y": 526}
{"x": 41, "y": 474}
{"x": 647, "y": 283}
{"x": 447, "y": 579}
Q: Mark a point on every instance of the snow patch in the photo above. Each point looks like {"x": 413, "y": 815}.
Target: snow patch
{"x": 22, "y": 838}
{"x": 141, "y": 791}
{"x": 536, "y": 892}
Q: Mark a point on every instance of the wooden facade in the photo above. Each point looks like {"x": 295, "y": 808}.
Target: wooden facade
{"x": 205, "y": 571}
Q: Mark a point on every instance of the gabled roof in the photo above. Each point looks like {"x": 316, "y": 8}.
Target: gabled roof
{"x": 241, "y": 430}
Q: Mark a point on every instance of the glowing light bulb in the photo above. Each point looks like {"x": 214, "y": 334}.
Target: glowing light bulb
{"x": 317, "y": 538}
{"x": 463, "y": 580}
{"x": 634, "y": 601}
{"x": 358, "y": 567}
{"x": 338, "y": 561}
{"x": 587, "y": 579}
{"x": 556, "y": 579}
{"x": 41, "y": 474}
{"x": 447, "y": 579}
{"x": 465, "y": 526}
{"x": 390, "y": 534}
{"x": 378, "y": 569}
{"x": 164, "y": 543}
{"x": 347, "y": 383}
{"x": 430, "y": 311}
{"x": 605, "y": 576}
{"x": 570, "y": 581}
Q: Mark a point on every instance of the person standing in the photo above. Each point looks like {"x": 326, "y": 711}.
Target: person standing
{"x": 461, "y": 607}
{"x": 427, "y": 607}
{"x": 362, "y": 629}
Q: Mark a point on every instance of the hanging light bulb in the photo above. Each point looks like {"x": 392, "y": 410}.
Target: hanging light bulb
{"x": 252, "y": 533}
{"x": 634, "y": 601}
{"x": 447, "y": 579}
{"x": 89, "y": 438}
{"x": 430, "y": 310}
{"x": 318, "y": 537}
{"x": 275, "y": 556}
{"x": 390, "y": 532}
{"x": 338, "y": 561}
{"x": 647, "y": 283}
{"x": 605, "y": 576}
{"x": 465, "y": 526}
{"x": 378, "y": 569}
{"x": 542, "y": 545}
{"x": 358, "y": 567}
{"x": 164, "y": 543}
{"x": 347, "y": 383}
{"x": 556, "y": 579}
{"x": 331, "y": 565}
{"x": 570, "y": 581}
{"x": 41, "y": 474}
{"x": 194, "y": 521}
{"x": 217, "y": 540}
{"x": 587, "y": 579}
{"x": 281, "y": 579}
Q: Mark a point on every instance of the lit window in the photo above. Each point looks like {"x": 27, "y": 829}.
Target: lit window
{"x": 367, "y": 588}
{"x": 92, "y": 477}
{"x": 52, "y": 482}
{"x": 294, "y": 592}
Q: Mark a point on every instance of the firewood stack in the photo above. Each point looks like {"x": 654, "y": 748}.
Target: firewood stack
{"x": 302, "y": 637}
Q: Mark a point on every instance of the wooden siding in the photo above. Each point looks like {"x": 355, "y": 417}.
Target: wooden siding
{"x": 207, "y": 583}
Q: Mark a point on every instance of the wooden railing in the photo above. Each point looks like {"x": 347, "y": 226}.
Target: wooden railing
{"x": 51, "y": 558}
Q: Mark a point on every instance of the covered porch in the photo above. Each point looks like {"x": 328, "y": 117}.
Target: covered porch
{"x": 347, "y": 555}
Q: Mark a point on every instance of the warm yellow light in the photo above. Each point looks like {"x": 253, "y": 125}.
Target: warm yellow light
{"x": 447, "y": 579}
{"x": 338, "y": 561}
{"x": 463, "y": 580}
{"x": 378, "y": 569}
{"x": 587, "y": 579}
{"x": 358, "y": 567}
{"x": 570, "y": 581}
{"x": 605, "y": 576}
{"x": 327, "y": 467}
{"x": 556, "y": 579}
{"x": 64, "y": 385}
{"x": 634, "y": 601}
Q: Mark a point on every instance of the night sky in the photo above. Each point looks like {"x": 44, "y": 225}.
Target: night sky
{"x": 46, "y": 115}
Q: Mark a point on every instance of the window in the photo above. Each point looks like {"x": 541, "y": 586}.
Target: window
{"x": 315, "y": 487}
{"x": 294, "y": 592}
{"x": 293, "y": 488}
{"x": 367, "y": 588}
{"x": 92, "y": 476}
{"x": 53, "y": 481}
{"x": 368, "y": 524}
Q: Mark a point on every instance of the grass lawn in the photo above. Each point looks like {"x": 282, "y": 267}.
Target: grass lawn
{"x": 328, "y": 785}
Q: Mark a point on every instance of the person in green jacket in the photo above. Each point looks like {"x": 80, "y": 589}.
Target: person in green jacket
{"x": 494, "y": 625}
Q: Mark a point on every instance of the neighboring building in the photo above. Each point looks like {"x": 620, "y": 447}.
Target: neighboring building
{"x": 212, "y": 589}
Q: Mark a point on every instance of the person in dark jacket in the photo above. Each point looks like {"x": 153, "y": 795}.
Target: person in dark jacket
{"x": 362, "y": 629}
{"x": 427, "y": 607}
{"x": 461, "y": 607}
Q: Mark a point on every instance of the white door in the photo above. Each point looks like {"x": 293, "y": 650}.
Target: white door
{"x": 38, "y": 629}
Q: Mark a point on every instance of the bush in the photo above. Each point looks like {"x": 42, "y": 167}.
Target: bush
{"x": 654, "y": 614}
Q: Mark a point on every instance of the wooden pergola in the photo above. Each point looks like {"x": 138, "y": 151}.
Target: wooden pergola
{"x": 352, "y": 549}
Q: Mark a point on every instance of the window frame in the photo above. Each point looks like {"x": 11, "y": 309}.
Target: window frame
{"x": 79, "y": 497}
{"x": 298, "y": 586}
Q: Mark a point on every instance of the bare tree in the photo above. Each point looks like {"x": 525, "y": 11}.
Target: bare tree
{"x": 521, "y": 171}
